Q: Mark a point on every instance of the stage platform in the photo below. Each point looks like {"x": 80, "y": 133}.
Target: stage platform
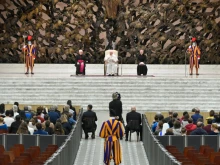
{"x": 97, "y": 70}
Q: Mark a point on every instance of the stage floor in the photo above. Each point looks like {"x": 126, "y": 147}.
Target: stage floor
{"x": 97, "y": 70}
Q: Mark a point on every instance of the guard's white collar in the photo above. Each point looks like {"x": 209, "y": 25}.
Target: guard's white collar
{"x": 112, "y": 117}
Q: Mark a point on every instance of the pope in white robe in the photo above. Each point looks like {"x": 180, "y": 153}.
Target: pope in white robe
{"x": 111, "y": 61}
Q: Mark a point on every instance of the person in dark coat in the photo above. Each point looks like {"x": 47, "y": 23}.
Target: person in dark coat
{"x": 116, "y": 105}
{"x": 133, "y": 115}
{"x": 88, "y": 119}
{"x": 199, "y": 130}
{"x": 80, "y": 63}
{"x": 141, "y": 68}
{"x": 15, "y": 125}
{"x": 53, "y": 115}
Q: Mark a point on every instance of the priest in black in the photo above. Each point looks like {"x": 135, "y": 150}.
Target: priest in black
{"x": 80, "y": 63}
{"x": 141, "y": 68}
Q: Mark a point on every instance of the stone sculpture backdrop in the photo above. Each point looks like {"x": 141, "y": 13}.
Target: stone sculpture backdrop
{"x": 60, "y": 28}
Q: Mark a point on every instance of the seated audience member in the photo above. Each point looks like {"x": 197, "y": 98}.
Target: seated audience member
{"x": 23, "y": 116}
{"x": 169, "y": 131}
{"x": 16, "y": 103}
{"x": 15, "y": 110}
{"x": 177, "y": 128}
{"x": 53, "y": 115}
{"x": 2, "y": 125}
{"x": 8, "y": 120}
{"x": 154, "y": 125}
{"x": 2, "y": 110}
{"x": 45, "y": 110}
{"x": 23, "y": 128}
{"x": 30, "y": 129}
{"x": 199, "y": 130}
{"x": 214, "y": 129}
{"x": 88, "y": 119}
{"x": 159, "y": 128}
{"x": 56, "y": 110}
{"x": 211, "y": 115}
{"x": 72, "y": 109}
{"x": 15, "y": 125}
{"x": 48, "y": 129}
{"x": 46, "y": 118}
{"x": 183, "y": 131}
{"x": 217, "y": 120}
{"x": 196, "y": 116}
{"x": 190, "y": 127}
{"x": 28, "y": 113}
{"x": 71, "y": 120}
{"x": 185, "y": 120}
{"x": 39, "y": 130}
{"x": 131, "y": 116}
{"x": 170, "y": 113}
{"x": 171, "y": 123}
{"x": 40, "y": 115}
{"x": 207, "y": 128}
{"x": 164, "y": 129}
{"x": 175, "y": 116}
{"x": 66, "y": 126}
{"x": 184, "y": 113}
{"x": 33, "y": 122}
{"x": 58, "y": 129}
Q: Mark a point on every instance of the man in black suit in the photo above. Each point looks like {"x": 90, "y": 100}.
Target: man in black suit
{"x": 133, "y": 115}
{"x": 116, "y": 105}
{"x": 88, "y": 119}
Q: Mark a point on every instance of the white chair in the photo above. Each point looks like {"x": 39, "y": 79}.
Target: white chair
{"x": 107, "y": 52}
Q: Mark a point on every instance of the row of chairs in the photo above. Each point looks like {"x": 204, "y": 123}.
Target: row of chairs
{"x": 32, "y": 156}
{"x": 190, "y": 156}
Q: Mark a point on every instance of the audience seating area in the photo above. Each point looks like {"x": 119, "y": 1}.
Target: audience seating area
{"x": 190, "y": 156}
{"x": 35, "y": 106}
{"x": 150, "y": 115}
{"x": 17, "y": 155}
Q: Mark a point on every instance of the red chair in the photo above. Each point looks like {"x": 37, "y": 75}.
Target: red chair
{"x": 4, "y": 159}
{"x": 186, "y": 150}
{"x": 213, "y": 155}
{"x": 3, "y": 131}
{"x": 190, "y": 153}
{"x": 21, "y": 146}
{"x": 208, "y": 151}
{"x": 2, "y": 149}
{"x": 217, "y": 160}
{"x": 10, "y": 154}
{"x": 52, "y": 146}
{"x": 16, "y": 151}
{"x": 202, "y": 148}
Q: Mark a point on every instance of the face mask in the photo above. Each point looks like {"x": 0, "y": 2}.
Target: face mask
{"x": 193, "y": 44}
{"x": 29, "y": 42}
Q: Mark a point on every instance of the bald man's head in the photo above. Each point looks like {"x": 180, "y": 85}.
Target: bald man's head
{"x": 80, "y": 52}
{"x": 133, "y": 108}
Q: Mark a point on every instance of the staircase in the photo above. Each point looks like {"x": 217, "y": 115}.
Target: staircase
{"x": 146, "y": 93}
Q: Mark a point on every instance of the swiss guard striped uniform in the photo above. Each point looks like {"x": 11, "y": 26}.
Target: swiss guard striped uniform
{"x": 112, "y": 130}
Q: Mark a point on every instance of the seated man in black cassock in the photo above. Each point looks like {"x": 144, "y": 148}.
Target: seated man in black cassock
{"x": 133, "y": 116}
{"x": 141, "y": 68}
{"x": 80, "y": 63}
{"x": 88, "y": 119}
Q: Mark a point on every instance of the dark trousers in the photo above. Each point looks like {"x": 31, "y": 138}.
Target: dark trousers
{"x": 127, "y": 130}
{"x": 86, "y": 131}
